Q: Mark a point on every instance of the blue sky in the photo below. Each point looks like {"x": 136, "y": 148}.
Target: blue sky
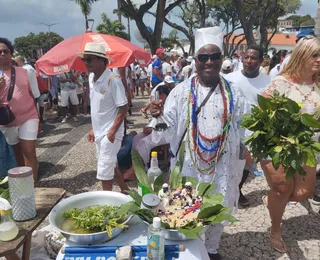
{"x": 20, "y": 17}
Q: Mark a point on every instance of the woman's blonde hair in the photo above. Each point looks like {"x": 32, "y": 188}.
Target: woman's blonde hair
{"x": 305, "y": 49}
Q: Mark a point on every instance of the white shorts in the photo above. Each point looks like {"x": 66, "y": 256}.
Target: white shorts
{"x": 107, "y": 158}
{"x": 42, "y": 98}
{"x": 26, "y": 131}
{"x": 79, "y": 90}
{"x": 65, "y": 95}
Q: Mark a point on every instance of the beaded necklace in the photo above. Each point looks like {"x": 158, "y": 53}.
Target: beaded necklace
{"x": 218, "y": 141}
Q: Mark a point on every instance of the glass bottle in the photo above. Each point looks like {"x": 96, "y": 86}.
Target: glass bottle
{"x": 8, "y": 229}
{"x": 154, "y": 170}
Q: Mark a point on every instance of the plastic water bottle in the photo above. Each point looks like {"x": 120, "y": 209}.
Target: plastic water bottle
{"x": 154, "y": 170}
{"x": 156, "y": 241}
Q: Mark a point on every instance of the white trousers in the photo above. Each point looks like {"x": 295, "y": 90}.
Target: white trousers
{"x": 213, "y": 237}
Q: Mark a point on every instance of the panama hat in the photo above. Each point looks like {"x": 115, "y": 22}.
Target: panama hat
{"x": 96, "y": 49}
{"x": 227, "y": 65}
{"x": 168, "y": 79}
{"x": 190, "y": 59}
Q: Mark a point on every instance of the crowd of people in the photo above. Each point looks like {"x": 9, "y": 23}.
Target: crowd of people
{"x": 202, "y": 97}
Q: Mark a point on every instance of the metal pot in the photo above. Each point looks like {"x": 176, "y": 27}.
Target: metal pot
{"x": 84, "y": 200}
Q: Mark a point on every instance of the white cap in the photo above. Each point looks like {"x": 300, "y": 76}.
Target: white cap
{"x": 168, "y": 79}
{"x": 188, "y": 183}
{"x": 210, "y": 35}
{"x": 227, "y": 65}
{"x": 165, "y": 185}
{"x": 156, "y": 222}
{"x": 154, "y": 56}
{"x": 190, "y": 59}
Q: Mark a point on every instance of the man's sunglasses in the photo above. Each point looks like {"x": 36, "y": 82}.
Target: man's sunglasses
{"x": 5, "y": 52}
{"x": 206, "y": 57}
{"x": 87, "y": 60}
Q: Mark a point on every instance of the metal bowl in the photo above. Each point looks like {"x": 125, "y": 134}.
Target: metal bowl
{"x": 84, "y": 200}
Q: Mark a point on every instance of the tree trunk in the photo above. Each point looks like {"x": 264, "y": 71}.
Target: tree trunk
{"x": 119, "y": 13}
{"x": 317, "y": 27}
{"x": 162, "y": 11}
{"x": 202, "y": 11}
{"x": 155, "y": 43}
{"x": 129, "y": 29}
{"x": 246, "y": 24}
{"x": 264, "y": 36}
{"x": 192, "y": 45}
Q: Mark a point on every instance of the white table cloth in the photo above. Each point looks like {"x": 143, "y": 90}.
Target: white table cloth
{"x": 137, "y": 233}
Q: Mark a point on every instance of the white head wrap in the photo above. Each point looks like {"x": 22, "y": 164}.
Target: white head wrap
{"x": 210, "y": 35}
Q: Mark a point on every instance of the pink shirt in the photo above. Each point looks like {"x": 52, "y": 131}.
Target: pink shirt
{"x": 22, "y": 102}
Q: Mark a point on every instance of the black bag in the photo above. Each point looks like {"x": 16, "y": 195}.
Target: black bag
{"x": 6, "y": 115}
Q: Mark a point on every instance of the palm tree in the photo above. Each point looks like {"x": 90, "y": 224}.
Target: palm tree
{"x": 86, "y": 8}
{"x": 317, "y": 27}
{"x": 112, "y": 27}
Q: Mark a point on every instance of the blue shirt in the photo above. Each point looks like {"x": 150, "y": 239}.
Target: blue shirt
{"x": 157, "y": 63}
{"x": 7, "y": 157}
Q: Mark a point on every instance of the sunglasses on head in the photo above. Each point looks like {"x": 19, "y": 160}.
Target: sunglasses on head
{"x": 5, "y": 52}
{"x": 206, "y": 57}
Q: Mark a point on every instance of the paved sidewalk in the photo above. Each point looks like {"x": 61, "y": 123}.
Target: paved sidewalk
{"x": 248, "y": 238}
{"x": 68, "y": 161}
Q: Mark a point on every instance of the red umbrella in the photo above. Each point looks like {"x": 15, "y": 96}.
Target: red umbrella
{"x": 63, "y": 57}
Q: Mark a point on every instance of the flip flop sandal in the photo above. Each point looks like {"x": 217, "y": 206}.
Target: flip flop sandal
{"x": 279, "y": 240}
{"x": 264, "y": 200}
{"x": 144, "y": 114}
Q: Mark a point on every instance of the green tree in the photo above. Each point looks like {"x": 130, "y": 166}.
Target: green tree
{"x": 262, "y": 15}
{"x": 169, "y": 43}
{"x": 163, "y": 8}
{"x": 86, "y": 8}
{"x": 225, "y": 12}
{"x": 115, "y": 27}
{"x": 193, "y": 14}
{"x": 305, "y": 20}
{"x": 25, "y": 45}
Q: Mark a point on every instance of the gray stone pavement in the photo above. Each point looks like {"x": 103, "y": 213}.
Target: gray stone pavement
{"x": 68, "y": 161}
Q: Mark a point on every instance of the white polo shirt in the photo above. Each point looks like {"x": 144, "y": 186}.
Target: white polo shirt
{"x": 250, "y": 87}
{"x": 106, "y": 96}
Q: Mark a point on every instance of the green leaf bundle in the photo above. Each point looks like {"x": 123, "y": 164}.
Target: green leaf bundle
{"x": 281, "y": 131}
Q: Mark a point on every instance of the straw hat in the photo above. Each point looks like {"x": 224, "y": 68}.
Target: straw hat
{"x": 96, "y": 49}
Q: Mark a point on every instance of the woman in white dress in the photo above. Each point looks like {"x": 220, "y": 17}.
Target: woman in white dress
{"x": 299, "y": 81}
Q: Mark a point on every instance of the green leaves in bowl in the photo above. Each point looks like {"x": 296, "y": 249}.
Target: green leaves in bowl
{"x": 96, "y": 219}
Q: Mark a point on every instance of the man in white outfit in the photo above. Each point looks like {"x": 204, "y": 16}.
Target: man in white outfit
{"x": 251, "y": 81}
{"x": 32, "y": 75}
{"x": 108, "y": 111}
{"x": 205, "y": 159}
